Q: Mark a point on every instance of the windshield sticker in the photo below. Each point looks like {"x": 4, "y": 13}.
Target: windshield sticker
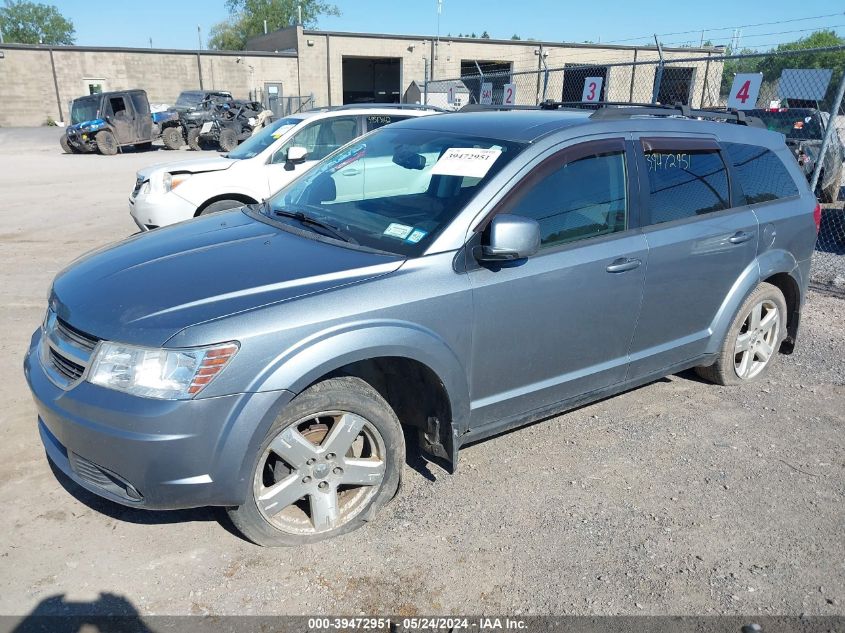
{"x": 416, "y": 236}
{"x": 398, "y": 230}
{"x": 466, "y": 161}
{"x": 281, "y": 131}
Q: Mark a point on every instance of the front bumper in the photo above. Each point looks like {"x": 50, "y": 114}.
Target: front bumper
{"x": 152, "y": 210}
{"x": 155, "y": 454}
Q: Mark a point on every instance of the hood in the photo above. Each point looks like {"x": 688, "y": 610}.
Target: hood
{"x": 87, "y": 126}
{"x": 195, "y": 166}
{"x": 149, "y": 287}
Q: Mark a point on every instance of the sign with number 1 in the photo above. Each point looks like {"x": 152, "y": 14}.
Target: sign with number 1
{"x": 509, "y": 94}
{"x": 592, "y": 89}
{"x": 744, "y": 91}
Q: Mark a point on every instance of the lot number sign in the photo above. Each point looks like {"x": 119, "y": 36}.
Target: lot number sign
{"x": 509, "y": 94}
{"x": 592, "y": 90}
{"x": 487, "y": 93}
{"x": 744, "y": 91}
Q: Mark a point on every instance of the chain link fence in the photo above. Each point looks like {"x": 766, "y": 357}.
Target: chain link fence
{"x": 795, "y": 92}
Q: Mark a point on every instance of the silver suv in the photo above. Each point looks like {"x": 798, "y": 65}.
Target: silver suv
{"x": 490, "y": 269}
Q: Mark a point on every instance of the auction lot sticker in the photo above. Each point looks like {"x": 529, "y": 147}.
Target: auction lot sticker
{"x": 466, "y": 161}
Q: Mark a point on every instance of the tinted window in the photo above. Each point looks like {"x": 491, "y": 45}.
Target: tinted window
{"x": 762, "y": 176}
{"x": 796, "y": 123}
{"x": 685, "y": 184}
{"x": 375, "y": 121}
{"x": 581, "y": 199}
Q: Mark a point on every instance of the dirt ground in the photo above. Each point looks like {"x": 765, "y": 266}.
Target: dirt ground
{"x": 676, "y": 498}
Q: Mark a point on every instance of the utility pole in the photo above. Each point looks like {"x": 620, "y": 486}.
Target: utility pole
{"x": 151, "y": 42}
{"x": 199, "y": 36}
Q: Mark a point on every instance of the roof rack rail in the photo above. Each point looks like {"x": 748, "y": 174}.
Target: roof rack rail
{"x": 391, "y": 106}
{"x": 608, "y": 111}
{"x": 478, "y": 107}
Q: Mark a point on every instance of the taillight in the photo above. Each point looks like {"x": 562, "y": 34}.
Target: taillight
{"x": 817, "y": 216}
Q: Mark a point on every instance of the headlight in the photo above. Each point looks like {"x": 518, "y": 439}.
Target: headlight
{"x": 171, "y": 181}
{"x": 169, "y": 374}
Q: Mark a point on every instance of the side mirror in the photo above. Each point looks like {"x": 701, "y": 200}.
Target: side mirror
{"x": 296, "y": 155}
{"x": 511, "y": 237}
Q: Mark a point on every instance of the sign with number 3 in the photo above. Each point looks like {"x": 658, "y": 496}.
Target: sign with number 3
{"x": 744, "y": 91}
{"x": 592, "y": 89}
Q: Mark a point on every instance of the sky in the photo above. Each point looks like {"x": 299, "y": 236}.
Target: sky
{"x": 173, "y": 23}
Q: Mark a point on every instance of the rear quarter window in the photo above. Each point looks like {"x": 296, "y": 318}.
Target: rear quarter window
{"x": 761, "y": 174}
{"x": 685, "y": 183}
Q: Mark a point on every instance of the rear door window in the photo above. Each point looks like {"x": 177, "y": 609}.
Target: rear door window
{"x": 375, "y": 121}
{"x": 761, "y": 174}
{"x": 686, "y": 178}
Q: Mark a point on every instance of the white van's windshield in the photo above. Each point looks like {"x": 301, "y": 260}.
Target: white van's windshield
{"x": 254, "y": 145}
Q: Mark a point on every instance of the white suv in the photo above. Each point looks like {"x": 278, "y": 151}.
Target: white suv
{"x": 260, "y": 166}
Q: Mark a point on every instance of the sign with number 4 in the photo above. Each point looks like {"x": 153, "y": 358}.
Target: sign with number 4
{"x": 744, "y": 91}
{"x": 487, "y": 93}
{"x": 592, "y": 89}
{"x": 509, "y": 94}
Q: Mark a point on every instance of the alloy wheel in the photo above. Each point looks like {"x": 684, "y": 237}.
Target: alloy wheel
{"x": 757, "y": 339}
{"x": 319, "y": 473}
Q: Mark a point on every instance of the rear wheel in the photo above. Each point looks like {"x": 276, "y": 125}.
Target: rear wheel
{"x": 106, "y": 143}
{"x": 221, "y": 205}
{"x": 228, "y": 140}
{"x": 194, "y": 139}
{"x": 753, "y": 340}
{"x": 328, "y": 464}
{"x": 172, "y": 137}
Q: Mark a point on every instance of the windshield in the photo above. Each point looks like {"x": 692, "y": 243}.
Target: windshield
{"x": 85, "y": 109}
{"x": 795, "y": 123}
{"x": 395, "y": 189}
{"x": 189, "y": 98}
{"x": 254, "y": 145}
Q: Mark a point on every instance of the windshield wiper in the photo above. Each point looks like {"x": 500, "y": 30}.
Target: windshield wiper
{"x": 308, "y": 220}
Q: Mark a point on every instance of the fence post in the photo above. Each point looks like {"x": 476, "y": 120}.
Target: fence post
{"x": 425, "y": 85}
{"x": 659, "y": 78}
{"x": 831, "y": 129}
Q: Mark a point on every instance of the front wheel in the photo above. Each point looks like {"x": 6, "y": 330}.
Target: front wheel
{"x": 172, "y": 137}
{"x": 106, "y": 143}
{"x": 330, "y": 461}
{"x": 194, "y": 139}
{"x": 753, "y": 340}
{"x": 67, "y": 148}
{"x": 228, "y": 140}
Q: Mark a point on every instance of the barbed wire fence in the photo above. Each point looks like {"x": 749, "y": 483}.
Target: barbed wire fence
{"x": 795, "y": 92}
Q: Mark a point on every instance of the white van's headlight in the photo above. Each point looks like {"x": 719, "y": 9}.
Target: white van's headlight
{"x": 169, "y": 374}
{"x": 171, "y": 181}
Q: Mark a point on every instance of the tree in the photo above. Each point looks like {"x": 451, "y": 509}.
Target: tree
{"x": 515, "y": 37}
{"x": 485, "y": 35}
{"x": 33, "y": 23}
{"x": 246, "y": 19}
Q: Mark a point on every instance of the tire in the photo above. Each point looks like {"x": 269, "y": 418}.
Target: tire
{"x": 735, "y": 367}
{"x": 172, "y": 137}
{"x": 194, "y": 139}
{"x": 221, "y": 205}
{"x": 143, "y": 147}
{"x": 337, "y": 413}
{"x": 228, "y": 140}
{"x": 106, "y": 143}
{"x": 66, "y": 147}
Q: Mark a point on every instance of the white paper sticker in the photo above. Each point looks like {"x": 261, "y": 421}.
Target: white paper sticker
{"x": 416, "y": 236}
{"x": 466, "y": 161}
{"x": 398, "y": 230}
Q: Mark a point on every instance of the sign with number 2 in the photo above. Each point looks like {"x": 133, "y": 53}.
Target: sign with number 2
{"x": 592, "y": 89}
{"x": 509, "y": 94}
{"x": 744, "y": 91}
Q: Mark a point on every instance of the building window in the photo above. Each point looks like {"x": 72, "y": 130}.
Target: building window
{"x": 675, "y": 85}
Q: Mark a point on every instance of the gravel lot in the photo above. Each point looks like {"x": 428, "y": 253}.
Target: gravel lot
{"x": 676, "y": 498}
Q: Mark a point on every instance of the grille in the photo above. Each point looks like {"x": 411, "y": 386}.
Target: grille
{"x": 138, "y": 183}
{"x": 66, "y": 367}
{"x": 80, "y": 338}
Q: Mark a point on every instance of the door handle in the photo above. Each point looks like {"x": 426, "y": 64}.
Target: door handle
{"x": 623, "y": 264}
{"x": 740, "y": 237}
{"x": 351, "y": 172}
